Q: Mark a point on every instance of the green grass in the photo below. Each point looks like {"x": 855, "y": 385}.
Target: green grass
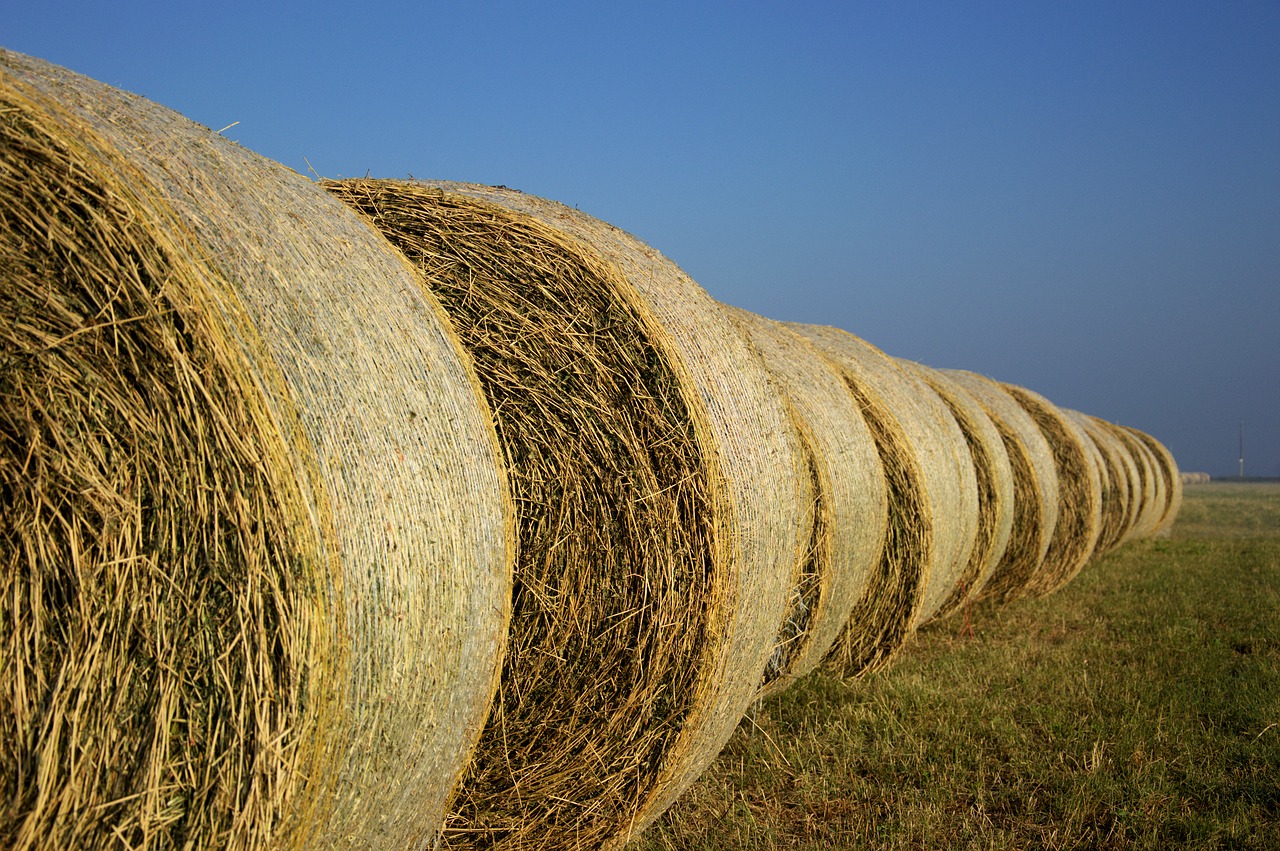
{"x": 1137, "y": 708}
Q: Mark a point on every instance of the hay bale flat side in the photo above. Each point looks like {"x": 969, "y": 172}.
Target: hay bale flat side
{"x": 949, "y": 477}
{"x": 660, "y": 518}
{"x": 254, "y": 529}
{"x": 921, "y": 545}
{"x": 1168, "y": 470}
{"x": 994, "y": 481}
{"x": 1115, "y": 478}
{"x": 1150, "y": 485}
{"x": 1080, "y": 513}
{"x": 852, "y": 499}
{"x": 1035, "y": 479}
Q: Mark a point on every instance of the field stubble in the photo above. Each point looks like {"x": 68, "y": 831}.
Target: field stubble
{"x": 1137, "y": 708}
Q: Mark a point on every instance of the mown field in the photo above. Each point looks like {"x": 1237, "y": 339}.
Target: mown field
{"x": 1139, "y": 707}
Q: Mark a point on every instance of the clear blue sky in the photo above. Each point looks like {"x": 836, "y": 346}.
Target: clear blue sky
{"x": 1079, "y": 197}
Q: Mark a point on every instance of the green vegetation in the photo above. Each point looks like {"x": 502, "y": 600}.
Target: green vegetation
{"x": 1139, "y": 707}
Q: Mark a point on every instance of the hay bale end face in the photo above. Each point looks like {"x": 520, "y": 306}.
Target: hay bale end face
{"x": 1116, "y": 471}
{"x": 932, "y": 500}
{"x": 1035, "y": 478}
{"x": 1167, "y": 468}
{"x": 995, "y": 485}
{"x": 658, "y": 518}
{"x": 1076, "y": 533}
{"x": 254, "y": 533}
{"x": 851, "y": 500}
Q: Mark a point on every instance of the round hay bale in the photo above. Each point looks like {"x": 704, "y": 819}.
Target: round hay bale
{"x": 1035, "y": 488}
{"x": 994, "y": 481}
{"x": 850, "y": 499}
{"x": 1150, "y": 487}
{"x": 254, "y": 524}
{"x": 933, "y": 499}
{"x": 1079, "y": 488}
{"x": 1116, "y": 474}
{"x": 1167, "y": 468}
{"x": 659, "y": 524}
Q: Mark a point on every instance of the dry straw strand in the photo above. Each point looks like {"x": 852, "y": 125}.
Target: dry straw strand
{"x": 255, "y": 544}
{"x": 659, "y": 517}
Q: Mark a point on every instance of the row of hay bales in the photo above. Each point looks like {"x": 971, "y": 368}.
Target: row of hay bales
{"x": 399, "y": 514}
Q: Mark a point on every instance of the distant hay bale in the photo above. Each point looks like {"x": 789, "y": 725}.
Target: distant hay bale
{"x": 1079, "y": 492}
{"x": 1194, "y": 478}
{"x": 994, "y": 475}
{"x": 1035, "y": 486}
{"x": 659, "y": 524}
{"x": 254, "y": 532}
{"x": 933, "y": 503}
{"x": 1116, "y": 475}
{"x": 851, "y": 502}
{"x": 1168, "y": 470}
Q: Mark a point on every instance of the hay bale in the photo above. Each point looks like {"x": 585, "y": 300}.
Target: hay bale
{"x": 1150, "y": 488}
{"x": 1117, "y": 472}
{"x": 254, "y": 525}
{"x": 1079, "y": 491}
{"x": 1167, "y": 468}
{"x": 850, "y": 499}
{"x": 659, "y": 524}
{"x": 933, "y": 499}
{"x": 994, "y": 475}
{"x": 1035, "y": 481}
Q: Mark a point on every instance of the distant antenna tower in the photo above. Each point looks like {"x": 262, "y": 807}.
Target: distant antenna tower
{"x": 1242, "y": 449}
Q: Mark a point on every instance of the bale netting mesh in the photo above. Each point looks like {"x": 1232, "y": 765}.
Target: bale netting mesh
{"x": 255, "y": 561}
{"x": 659, "y": 520}
{"x": 994, "y": 482}
{"x": 1035, "y": 488}
{"x": 1079, "y": 513}
{"x": 1167, "y": 468}
{"x": 1115, "y": 506}
{"x": 927, "y": 536}
{"x": 851, "y": 498}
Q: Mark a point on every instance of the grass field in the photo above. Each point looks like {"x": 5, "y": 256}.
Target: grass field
{"x": 1139, "y": 707}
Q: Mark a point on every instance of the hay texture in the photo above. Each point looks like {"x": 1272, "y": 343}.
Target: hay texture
{"x": 1117, "y": 471}
{"x": 255, "y": 560}
{"x": 850, "y": 498}
{"x": 654, "y": 472}
{"x": 1167, "y": 469}
{"x": 1149, "y": 488}
{"x": 994, "y": 474}
{"x": 1079, "y": 492}
{"x": 933, "y": 501}
{"x": 1035, "y": 488}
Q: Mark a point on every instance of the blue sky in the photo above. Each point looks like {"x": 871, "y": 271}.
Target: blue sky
{"x": 1079, "y": 197}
